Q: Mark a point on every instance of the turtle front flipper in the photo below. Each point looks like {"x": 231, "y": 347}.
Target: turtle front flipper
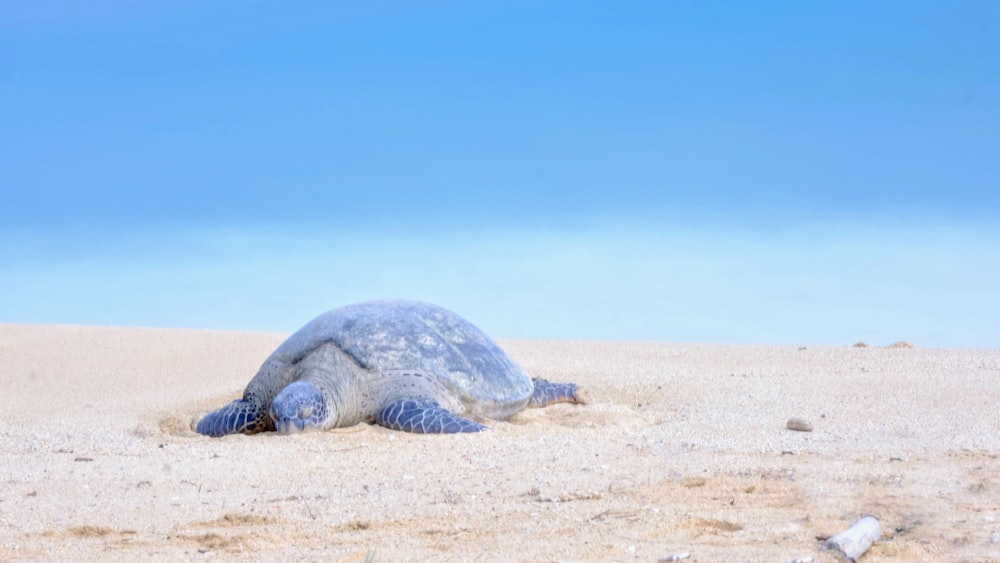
{"x": 238, "y": 417}
{"x": 548, "y": 393}
{"x": 423, "y": 417}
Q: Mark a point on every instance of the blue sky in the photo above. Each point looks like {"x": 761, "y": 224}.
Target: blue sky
{"x": 777, "y": 172}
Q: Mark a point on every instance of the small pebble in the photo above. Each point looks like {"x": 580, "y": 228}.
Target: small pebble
{"x": 799, "y": 425}
{"x": 674, "y": 557}
{"x": 994, "y": 537}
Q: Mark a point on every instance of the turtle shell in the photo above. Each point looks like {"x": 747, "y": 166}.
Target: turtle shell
{"x": 411, "y": 335}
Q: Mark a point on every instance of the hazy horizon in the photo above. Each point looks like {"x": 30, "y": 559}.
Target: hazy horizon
{"x": 829, "y": 283}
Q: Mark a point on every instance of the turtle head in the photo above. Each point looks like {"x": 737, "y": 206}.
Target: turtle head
{"x": 299, "y": 406}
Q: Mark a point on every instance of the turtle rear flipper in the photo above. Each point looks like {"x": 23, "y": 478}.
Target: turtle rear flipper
{"x": 238, "y": 417}
{"x": 548, "y": 393}
{"x": 422, "y": 416}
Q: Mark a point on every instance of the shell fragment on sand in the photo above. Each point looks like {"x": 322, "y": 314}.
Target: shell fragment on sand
{"x": 855, "y": 541}
{"x": 799, "y": 425}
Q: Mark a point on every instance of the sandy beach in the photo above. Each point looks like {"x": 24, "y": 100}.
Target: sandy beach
{"x": 683, "y": 449}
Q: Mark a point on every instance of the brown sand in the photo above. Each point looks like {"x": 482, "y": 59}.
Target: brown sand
{"x": 683, "y": 449}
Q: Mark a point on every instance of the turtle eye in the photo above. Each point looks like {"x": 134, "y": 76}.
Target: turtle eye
{"x": 305, "y": 412}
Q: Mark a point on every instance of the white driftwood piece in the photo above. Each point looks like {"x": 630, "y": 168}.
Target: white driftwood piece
{"x": 856, "y": 540}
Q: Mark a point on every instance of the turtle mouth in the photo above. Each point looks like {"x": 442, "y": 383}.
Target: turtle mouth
{"x": 302, "y": 420}
{"x": 289, "y": 425}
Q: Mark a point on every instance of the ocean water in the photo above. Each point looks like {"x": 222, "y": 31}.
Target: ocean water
{"x": 833, "y": 283}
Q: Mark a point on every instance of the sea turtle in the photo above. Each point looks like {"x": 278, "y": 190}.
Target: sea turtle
{"x": 404, "y": 365}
